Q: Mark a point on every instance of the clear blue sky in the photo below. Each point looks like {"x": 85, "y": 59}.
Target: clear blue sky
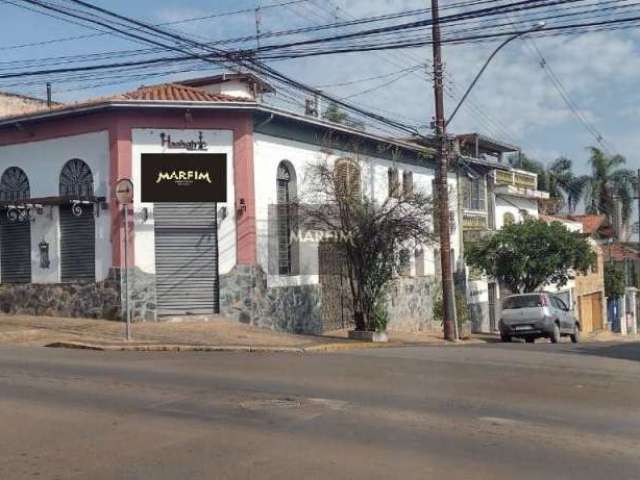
{"x": 515, "y": 101}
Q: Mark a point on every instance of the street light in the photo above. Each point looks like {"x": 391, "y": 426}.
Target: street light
{"x": 538, "y": 26}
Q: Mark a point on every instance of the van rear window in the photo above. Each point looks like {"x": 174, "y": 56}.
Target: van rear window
{"x": 526, "y": 301}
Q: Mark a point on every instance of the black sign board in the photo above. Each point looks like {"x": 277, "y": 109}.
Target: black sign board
{"x": 184, "y": 177}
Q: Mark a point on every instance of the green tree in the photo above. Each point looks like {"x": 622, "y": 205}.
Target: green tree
{"x": 334, "y": 114}
{"x": 369, "y": 233}
{"x": 614, "y": 282}
{"x": 608, "y": 183}
{"x": 528, "y": 256}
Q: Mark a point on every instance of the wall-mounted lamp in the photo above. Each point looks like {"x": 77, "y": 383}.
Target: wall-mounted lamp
{"x": 242, "y": 207}
{"x": 44, "y": 254}
{"x": 188, "y": 116}
{"x": 222, "y": 213}
{"x": 145, "y": 214}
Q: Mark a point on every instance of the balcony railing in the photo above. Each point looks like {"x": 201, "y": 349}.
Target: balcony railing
{"x": 474, "y": 222}
{"x": 519, "y": 179}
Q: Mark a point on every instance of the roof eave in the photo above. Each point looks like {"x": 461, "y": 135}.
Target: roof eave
{"x": 238, "y": 105}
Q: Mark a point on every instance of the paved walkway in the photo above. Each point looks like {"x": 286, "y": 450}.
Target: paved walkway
{"x": 215, "y": 334}
{"x": 218, "y": 332}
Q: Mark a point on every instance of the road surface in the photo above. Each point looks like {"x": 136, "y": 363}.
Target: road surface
{"x": 476, "y": 412}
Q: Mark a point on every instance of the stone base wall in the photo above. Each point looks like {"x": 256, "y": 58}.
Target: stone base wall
{"x": 142, "y": 295}
{"x": 79, "y": 299}
{"x": 411, "y": 304}
{"x": 244, "y": 296}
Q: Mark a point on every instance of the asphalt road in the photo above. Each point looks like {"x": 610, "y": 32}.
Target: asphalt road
{"x": 476, "y": 412}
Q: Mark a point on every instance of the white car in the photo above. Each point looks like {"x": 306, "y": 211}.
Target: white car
{"x": 535, "y": 315}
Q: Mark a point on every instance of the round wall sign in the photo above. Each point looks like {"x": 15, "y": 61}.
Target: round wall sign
{"x": 124, "y": 191}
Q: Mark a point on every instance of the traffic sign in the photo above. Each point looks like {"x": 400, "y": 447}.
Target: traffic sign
{"x": 124, "y": 191}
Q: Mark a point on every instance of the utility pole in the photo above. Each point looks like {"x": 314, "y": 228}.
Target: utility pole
{"x": 442, "y": 185}
{"x": 638, "y": 198}
{"x": 258, "y": 24}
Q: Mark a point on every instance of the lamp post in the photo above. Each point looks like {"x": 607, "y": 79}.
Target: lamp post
{"x": 538, "y": 26}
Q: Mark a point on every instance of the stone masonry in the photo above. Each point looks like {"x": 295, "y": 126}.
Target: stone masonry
{"x": 79, "y": 299}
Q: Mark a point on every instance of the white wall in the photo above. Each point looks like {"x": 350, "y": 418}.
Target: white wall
{"x": 233, "y": 88}
{"x": 148, "y": 141}
{"x": 270, "y": 151}
{"x": 514, "y": 205}
{"x": 42, "y": 162}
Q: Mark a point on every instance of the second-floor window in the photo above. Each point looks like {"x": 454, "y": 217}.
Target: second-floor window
{"x": 407, "y": 183}
{"x": 475, "y": 194}
{"x": 394, "y": 182}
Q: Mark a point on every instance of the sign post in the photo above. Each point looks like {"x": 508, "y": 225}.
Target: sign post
{"x": 124, "y": 195}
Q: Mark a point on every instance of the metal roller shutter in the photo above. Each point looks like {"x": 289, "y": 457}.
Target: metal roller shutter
{"x": 15, "y": 251}
{"x": 77, "y": 245}
{"x": 185, "y": 258}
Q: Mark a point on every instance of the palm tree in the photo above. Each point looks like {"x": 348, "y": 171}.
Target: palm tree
{"x": 563, "y": 183}
{"x": 563, "y": 186}
{"x": 607, "y": 184}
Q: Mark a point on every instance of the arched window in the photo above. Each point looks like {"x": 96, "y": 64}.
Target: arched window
{"x": 286, "y": 192}
{"x": 508, "y": 219}
{"x": 76, "y": 179}
{"x": 347, "y": 177}
{"x": 77, "y": 224}
{"x": 14, "y": 185}
{"x": 15, "y": 234}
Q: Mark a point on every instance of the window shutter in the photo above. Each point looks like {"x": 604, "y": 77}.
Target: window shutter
{"x": 407, "y": 183}
{"x": 394, "y": 182}
{"x": 347, "y": 178}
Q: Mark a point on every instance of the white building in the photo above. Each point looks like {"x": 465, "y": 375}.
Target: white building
{"x": 62, "y": 250}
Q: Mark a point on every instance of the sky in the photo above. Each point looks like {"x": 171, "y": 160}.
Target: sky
{"x": 515, "y": 100}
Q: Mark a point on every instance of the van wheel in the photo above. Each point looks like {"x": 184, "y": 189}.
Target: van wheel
{"x": 530, "y": 339}
{"x": 505, "y": 338}
{"x": 555, "y": 335}
{"x": 575, "y": 336}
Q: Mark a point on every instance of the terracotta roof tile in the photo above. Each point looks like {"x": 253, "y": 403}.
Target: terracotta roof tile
{"x": 167, "y": 92}
{"x": 172, "y": 92}
{"x": 620, "y": 252}
{"x": 551, "y": 218}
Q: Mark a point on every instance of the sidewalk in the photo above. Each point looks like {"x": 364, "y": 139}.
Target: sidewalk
{"x": 216, "y": 334}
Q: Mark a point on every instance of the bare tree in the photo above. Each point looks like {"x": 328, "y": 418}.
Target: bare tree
{"x": 369, "y": 232}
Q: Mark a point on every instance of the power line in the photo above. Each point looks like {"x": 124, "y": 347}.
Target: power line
{"x": 175, "y": 22}
{"x": 254, "y": 65}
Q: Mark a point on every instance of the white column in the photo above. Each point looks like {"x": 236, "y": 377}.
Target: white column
{"x": 622, "y": 315}
{"x": 632, "y": 296}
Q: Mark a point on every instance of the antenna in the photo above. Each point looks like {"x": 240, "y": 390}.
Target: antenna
{"x": 49, "y": 101}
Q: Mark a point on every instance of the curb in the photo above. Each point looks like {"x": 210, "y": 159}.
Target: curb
{"x": 321, "y": 348}
{"x": 170, "y": 348}
{"x": 329, "y": 347}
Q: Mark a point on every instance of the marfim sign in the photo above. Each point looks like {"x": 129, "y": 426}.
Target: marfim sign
{"x": 184, "y": 177}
